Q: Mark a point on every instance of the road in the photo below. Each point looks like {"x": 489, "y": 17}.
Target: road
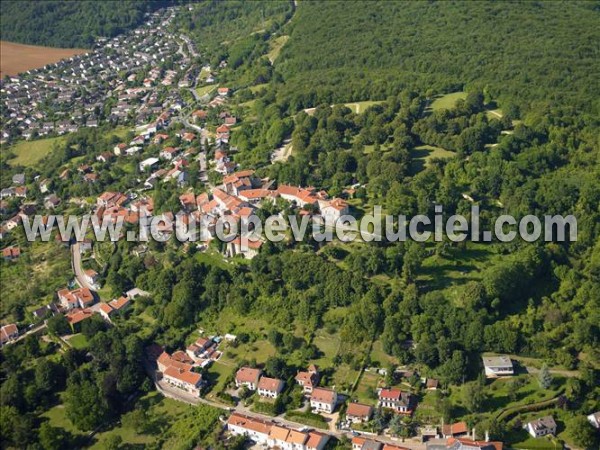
{"x": 77, "y": 269}
{"x": 177, "y": 394}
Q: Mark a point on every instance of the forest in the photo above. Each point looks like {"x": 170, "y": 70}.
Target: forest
{"x": 59, "y": 23}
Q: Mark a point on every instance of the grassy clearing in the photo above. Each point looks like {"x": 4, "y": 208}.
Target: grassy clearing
{"x": 217, "y": 375}
{"x": 448, "y": 101}
{"x": 275, "y": 47}
{"x": 360, "y": 107}
{"x": 450, "y": 274}
{"x": 29, "y": 153}
{"x": 206, "y": 90}
{"x": 422, "y": 155}
{"x": 79, "y": 341}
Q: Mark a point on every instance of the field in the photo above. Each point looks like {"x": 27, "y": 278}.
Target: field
{"x": 205, "y": 90}
{"x": 423, "y": 154}
{"x": 448, "y": 101}
{"x": 17, "y": 58}
{"x": 29, "y": 153}
{"x": 275, "y": 47}
{"x": 360, "y": 107}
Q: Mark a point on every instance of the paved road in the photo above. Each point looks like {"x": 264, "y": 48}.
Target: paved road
{"x": 77, "y": 269}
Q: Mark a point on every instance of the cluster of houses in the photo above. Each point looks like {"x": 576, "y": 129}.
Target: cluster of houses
{"x": 80, "y": 86}
{"x": 81, "y": 303}
{"x": 180, "y": 369}
{"x": 272, "y": 435}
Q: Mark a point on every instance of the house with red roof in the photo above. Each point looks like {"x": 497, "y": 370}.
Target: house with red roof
{"x": 309, "y": 379}
{"x": 11, "y": 253}
{"x": 323, "y": 399}
{"x": 8, "y": 333}
{"x": 248, "y": 377}
{"x": 270, "y": 387}
{"x": 396, "y": 400}
{"x": 358, "y": 412}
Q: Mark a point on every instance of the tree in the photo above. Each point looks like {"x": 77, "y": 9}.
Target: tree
{"x": 85, "y": 405}
{"x": 583, "y": 433}
{"x": 544, "y": 377}
{"x": 473, "y": 396}
{"x": 136, "y": 419}
{"x": 113, "y": 442}
{"x": 53, "y": 438}
{"x": 58, "y": 325}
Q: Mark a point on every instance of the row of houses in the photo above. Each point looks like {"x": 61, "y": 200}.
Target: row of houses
{"x": 272, "y": 435}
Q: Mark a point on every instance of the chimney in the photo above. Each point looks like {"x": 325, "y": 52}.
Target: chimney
{"x": 473, "y": 433}
{"x": 487, "y": 436}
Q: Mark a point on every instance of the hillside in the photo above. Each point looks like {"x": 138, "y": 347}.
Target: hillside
{"x": 59, "y": 23}
{"x": 374, "y": 49}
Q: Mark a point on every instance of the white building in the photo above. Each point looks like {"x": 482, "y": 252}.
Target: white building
{"x": 542, "y": 427}
{"x": 323, "y": 400}
{"x": 248, "y": 377}
{"x": 270, "y": 387}
{"x": 149, "y": 163}
{"x": 497, "y": 366}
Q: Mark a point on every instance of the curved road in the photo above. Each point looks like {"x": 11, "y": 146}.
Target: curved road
{"x": 77, "y": 269}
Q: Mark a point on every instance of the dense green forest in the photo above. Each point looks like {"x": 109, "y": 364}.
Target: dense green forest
{"x": 528, "y": 54}
{"x": 59, "y": 23}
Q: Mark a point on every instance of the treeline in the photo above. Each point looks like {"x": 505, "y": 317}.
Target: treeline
{"x": 353, "y": 51}
{"x": 60, "y": 23}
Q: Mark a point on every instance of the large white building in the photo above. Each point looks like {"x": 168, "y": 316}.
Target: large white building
{"x": 323, "y": 400}
{"x": 498, "y": 366}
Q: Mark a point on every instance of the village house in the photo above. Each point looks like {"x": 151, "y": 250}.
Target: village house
{"x": 323, "y": 400}
{"x": 464, "y": 444}
{"x": 362, "y": 443}
{"x": 298, "y": 195}
{"x": 396, "y": 400}
{"x": 148, "y": 163}
{"x": 458, "y": 429}
{"x": 541, "y": 427}
{"x": 199, "y": 348}
{"x": 77, "y": 298}
{"x": 169, "y": 153}
{"x": 248, "y": 377}
{"x": 270, "y": 387}
{"x": 11, "y": 253}
{"x": 91, "y": 276}
{"x": 77, "y": 316}
{"x": 358, "y": 412}
{"x": 120, "y": 304}
{"x": 177, "y": 372}
{"x": 332, "y": 210}
{"x": 309, "y": 379}
{"x": 497, "y": 366}
{"x": 8, "y": 333}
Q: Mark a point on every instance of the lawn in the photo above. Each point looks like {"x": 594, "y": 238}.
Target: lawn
{"x": 360, "y": 107}
{"x": 29, "y": 153}
{"x": 275, "y": 47}
{"x": 452, "y": 273}
{"x": 206, "y": 90}
{"x": 448, "y": 101}
{"x": 217, "y": 375}
{"x": 365, "y": 391}
{"x": 422, "y": 155}
{"x": 79, "y": 341}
